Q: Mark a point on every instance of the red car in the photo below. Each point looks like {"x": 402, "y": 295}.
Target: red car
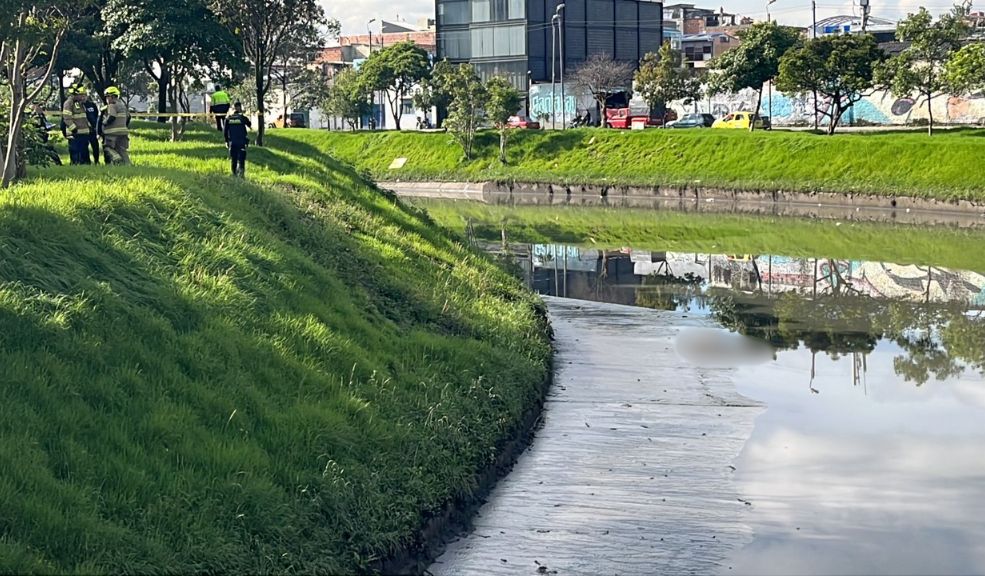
{"x": 523, "y": 122}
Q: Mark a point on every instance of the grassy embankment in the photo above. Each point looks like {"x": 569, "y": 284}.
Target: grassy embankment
{"x": 644, "y": 229}
{"x": 201, "y": 374}
{"x": 910, "y": 164}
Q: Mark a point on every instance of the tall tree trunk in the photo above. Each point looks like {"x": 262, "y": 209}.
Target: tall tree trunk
{"x": 397, "y": 104}
{"x": 759, "y": 105}
{"x": 502, "y": 145}
{"x": 261, "y": 124}
{"x": 15, "y": 115}
{"x": 930, "y": 116}
{"x": 163, "y": 83}
{"x": 283, "y": 89}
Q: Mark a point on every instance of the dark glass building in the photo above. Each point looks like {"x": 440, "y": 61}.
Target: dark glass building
{"x": 513, "y": 38}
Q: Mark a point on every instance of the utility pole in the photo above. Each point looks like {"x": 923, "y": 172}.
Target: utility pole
{"x": 865, "y": 14}
{"x": 814, "y": 35}
{"x": 559, "y": 15}
{"x": 372, "y": 95}
{"x": 553, "y": 70}
{"x": 770, "y": 98}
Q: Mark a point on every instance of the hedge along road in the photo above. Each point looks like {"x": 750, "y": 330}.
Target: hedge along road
{"x": 890, "y": 163}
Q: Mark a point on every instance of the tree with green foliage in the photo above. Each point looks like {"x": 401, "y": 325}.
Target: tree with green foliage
{"x": 266, "y": 30}
{"x": 467, "y": 110}
{"x": 88, "y": 46}
{"x": 31, "y": 33}
{"x": 502, "y": 101}
{"x": 602, "y": 76}
{"x": 755, "y": 62}
{"x": 175, "y": 40}
{"x": 662, "y": 79}
{"x": 435, "y": 90}
{"x": 839, "y": 68}
{"x": 921, "y": 67}
{"x": 347, "y": 98}
{"x": 965, "y": 71}
{"x": 396, "y": 70}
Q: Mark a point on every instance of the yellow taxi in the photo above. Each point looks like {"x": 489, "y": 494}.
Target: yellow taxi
{"x": 741, "y": 120}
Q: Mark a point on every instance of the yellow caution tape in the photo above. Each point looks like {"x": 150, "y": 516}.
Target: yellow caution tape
{"x": 58, "y": 114}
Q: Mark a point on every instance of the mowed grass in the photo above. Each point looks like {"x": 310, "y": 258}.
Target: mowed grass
{"x": 717, "y": 234}
{"x": 202, "y": 375}
{"x": 896, "y": 163}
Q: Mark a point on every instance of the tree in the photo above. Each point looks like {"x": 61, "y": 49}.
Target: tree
{"x": 466, "y": 112}
{"x": 88, "y": 46}
{"x": 266, "y": 30}
{"x": 31, "y": 32}
{"x": 662, "y": 79}
{"x": 839, "y": 68}
{"x": 965, "y": 71}
{"x": 921, "y": 67}
{"x": 435, "y": 90}
{"x": 174, "y": 40}
{"x": 395, "y": 70}
{"x": 602, "y": 76}
{"x": 347, "y": 98}
{"x": 502, "y": 101}
{"x": 755, "y": 62}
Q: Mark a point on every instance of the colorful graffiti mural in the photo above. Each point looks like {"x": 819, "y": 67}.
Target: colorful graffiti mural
{"x": 880, "y": 108}
{"x": 544, "y": 101}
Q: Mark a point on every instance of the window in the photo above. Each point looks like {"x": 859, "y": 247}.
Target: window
{"x": 453, "y": 12}
{"x": 509, "y": 40}
{"x": 482, "y": 43}
{"x": 517, "y": 10}
{"x": 454, "y": 45}
{"x": 406, "y": 107}
{"x": 480, "y": 10}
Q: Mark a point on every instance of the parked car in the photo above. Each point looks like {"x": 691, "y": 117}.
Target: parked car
{"x": 741, "y": 121}
{"x": 693, "y": 121}
{"x": 523, "y": 122}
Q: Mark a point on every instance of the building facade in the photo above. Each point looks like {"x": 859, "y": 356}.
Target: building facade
{"x": 515, "y": 38}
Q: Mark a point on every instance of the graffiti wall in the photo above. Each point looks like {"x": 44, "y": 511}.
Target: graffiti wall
{"x": 544, "y": 101}
{"x": 880, "y": 108}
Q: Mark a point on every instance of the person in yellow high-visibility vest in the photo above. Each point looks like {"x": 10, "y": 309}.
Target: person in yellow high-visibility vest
{"x": 114, "y": 126}
{"x": 220, "y": 106}
{"x": 75, "y": 126}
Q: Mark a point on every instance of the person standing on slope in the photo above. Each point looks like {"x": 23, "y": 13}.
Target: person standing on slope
{"x": 237, "y": 139}
{"x": 75, "y": 126}
{"x": 92, "y": 114}
{"x": 114, "y": 126}
{"x": 220, "y": 106}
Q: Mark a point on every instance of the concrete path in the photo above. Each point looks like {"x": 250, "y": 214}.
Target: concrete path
{"x": 630, "y": 473}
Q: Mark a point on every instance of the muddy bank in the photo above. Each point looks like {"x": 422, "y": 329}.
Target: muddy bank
{"x": 827, "y": 205}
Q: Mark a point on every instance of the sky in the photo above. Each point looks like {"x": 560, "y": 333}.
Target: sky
{"x": 355, "y": 13}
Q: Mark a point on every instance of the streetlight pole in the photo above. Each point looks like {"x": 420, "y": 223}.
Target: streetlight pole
{"x": 770, "y": 99}
{"x": 553, "y": 70}
{"x": 372, "y": 95}
{"x": 814, "y": 35}
{"x": 558, "y": 15}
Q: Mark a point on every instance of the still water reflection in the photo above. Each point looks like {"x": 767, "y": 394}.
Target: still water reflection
{"x": 870, "y": 458}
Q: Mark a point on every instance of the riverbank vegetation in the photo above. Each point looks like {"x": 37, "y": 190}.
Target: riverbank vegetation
{"x": 891, "y": 163}
{"x": 713, "y": 233}
{"x": 203, "y": 374}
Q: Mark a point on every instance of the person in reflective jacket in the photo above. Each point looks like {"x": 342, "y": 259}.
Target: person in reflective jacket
{"x": 75, "y": 126}
{"x": 237, "y": 139}
{"x": 114, "y": 127}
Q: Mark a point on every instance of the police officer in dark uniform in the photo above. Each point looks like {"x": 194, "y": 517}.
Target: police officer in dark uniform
{"x": 237, "y": 139}
{"x": 92, "y": 114}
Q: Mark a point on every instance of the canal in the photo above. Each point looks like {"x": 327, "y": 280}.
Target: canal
{"x": 805, "y": 415}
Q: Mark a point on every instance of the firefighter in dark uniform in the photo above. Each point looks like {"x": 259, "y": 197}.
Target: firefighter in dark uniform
{"x": 75, "y": 126}
{"x": 237, "y": 139}
{"x": 92, "y": 114}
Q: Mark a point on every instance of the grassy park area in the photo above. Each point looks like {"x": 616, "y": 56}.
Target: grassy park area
{"x": 891, "y": 163}
{"x": 202, "y": 374}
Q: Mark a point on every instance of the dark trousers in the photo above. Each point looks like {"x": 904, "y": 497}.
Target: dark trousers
{"x": 78, "y": 149}
{"x": 94, "y": 143}
{"x": 220, "y": 111}
{"x": 237, "y": 155}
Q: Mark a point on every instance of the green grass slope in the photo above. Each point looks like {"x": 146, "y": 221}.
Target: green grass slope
{"x": 714, "y": 233}
{"x": 911, "y": 164}
{"x": 201, "y": 374}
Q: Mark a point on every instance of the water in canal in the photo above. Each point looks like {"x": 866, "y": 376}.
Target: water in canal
{"x": 870, "y": 456}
